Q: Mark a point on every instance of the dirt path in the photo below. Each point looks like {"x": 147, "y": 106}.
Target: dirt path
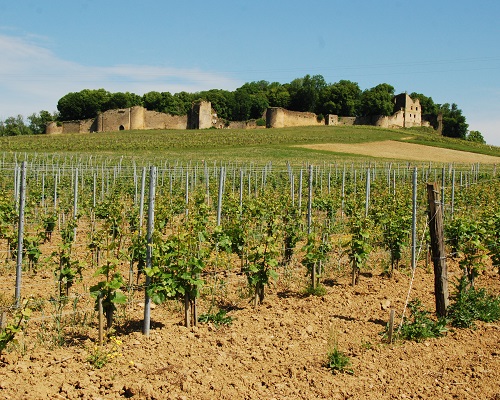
{"x": 406, "y": 151}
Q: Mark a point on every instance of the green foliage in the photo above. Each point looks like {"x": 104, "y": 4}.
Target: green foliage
{"x": 359, "y": 245}
{"x": 318, "y": 291}
{"x": 32, "y": 249}
{"x": 466, "y": 237}
{"x": 338, "y": 362}
{"x": 342, "y": 98}
{"x": 99, "y": 356}
{"x": 8, "y": 333}
{"x": 89, "y": 102}
{"x": 315, "y": 253}
{"x": 454, "y": 123}
{"x": 49, "y": 224}
{"x": 81, "y": 105}
{"x": 69, "y": 269}
{"x": 264, "y": 248}
{"x": 260, "y": 122}
{"x": 38, "y": 122}
{"x": 378, "y": 100}
{"x": 470, "y": 304}
{"x": 305, "y": 93}
{"x": 179, "y": 259}
{"x": 218, "y": 319}
{"x": 109, "y": 289}
{"x": 419, "y": 326}
{"x": 475, "y": 136}
{"x": 292, "y": 232}
{"x": 492, "y": 240}
{"x": 395, "y": 222}
{"x": 426, "y": 103}
{"x": 14, "y": 126}
{"x": 250, "y": 101}
{"x": 137, "y": 252}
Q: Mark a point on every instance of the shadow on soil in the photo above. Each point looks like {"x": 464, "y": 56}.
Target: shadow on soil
{"x": 136, "y": 326}
{"x": 287, "y": 294}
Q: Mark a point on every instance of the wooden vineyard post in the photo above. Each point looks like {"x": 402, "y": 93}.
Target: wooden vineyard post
{"x": 187, "y": 311}
{"x": 3, "y": 319}
{"x": 390, "y": 333}
{"x": 101, "y": 320}
{"x": 437, "y": 247}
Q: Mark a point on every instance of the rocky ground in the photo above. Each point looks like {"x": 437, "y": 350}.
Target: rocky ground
{"x": 276, "y": 351}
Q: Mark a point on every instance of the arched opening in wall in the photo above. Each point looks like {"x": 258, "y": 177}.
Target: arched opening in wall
{"x": 122, "y": 128}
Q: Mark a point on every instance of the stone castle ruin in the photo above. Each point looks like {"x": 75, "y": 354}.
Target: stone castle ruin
{"x": 407, "y": 113}
{"x": 138, "y": 118}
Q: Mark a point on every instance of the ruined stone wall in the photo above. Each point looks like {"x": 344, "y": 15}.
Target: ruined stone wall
{"x": 412, "y": 111}
{"x": 201, "y": 116}
{"x": 332, "y": 119}
{"x": 251, "y": 124}
{"x": 71, "y": 127}
{"x": 205, "y": 115}
{"x": 396, "y": 120}
{"x": 122, "y": 119}
{"x": 346, "y": 121}
{"x": 137, "y": 117}
{"x": 407, "y": 114}
{"x": 88, "y": 125}
{"x": 53, "y": 128}
{"x": 277, "y": 117}
{"x": 114, "y": 120}
{"x": 157, "y": 120}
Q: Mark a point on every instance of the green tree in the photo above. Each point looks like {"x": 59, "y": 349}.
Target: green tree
{"x": 82, "y": 105}
{"x": 341, "y": 98}
{"x": 153, "y": 101}
{"x": 426, "y": 104}
{"x": 250, "y": 101}
{"x": 305, "y": 93}
{"x": 476, "y": 136}
{"x": 454, "y": 123}
{"x": 121, "y": 100}
{"x": 38, "y": 122}
{"x": 378, "y": 100}
{"x": 222, "y": 101}
{"x": 14, "y": 126}
{"x": 181, "y": 103}
{"x": 278, "y": 95}
{"x": 161, "y": 102}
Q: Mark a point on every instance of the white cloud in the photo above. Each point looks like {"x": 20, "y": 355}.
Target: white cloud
{"x": 33, "y": 78}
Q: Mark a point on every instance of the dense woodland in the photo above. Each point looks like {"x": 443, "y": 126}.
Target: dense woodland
{"x": 310, "y": 93}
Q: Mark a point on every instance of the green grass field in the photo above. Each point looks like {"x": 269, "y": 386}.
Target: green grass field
{"x": 260, "y": 146}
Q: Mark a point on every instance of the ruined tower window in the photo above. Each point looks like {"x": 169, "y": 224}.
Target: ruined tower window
{"x": 122, "y": 128}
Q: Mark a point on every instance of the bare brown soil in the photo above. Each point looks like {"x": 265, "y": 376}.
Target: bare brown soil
{"x": 277, "y": 351}
{"x": 406, "y": 151}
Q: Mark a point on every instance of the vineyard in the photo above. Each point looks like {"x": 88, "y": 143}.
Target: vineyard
{"x": 199, "y": 266}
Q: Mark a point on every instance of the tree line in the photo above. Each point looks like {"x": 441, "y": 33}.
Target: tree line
{"x": 310, "y": 93}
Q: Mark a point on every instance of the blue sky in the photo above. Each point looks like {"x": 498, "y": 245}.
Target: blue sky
{"x": 446, "y": 49}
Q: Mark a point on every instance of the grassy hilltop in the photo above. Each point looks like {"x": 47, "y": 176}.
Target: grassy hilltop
{"x": 260, "y": 146}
